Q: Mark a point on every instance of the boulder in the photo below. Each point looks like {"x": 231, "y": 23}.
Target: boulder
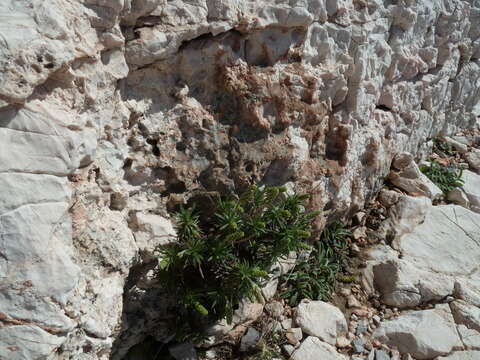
{"x": 424, "y": 334}
{"x": 473, "y": 160}
{"x": 431, "y": 261}
{"x": 313, "y": 348}
{"x": 321, "y": 319}
{"x": 470, "y": 338}
{"x": 471, "y": 188}
{"x": 468, "y": 290}
{"x": 411, "y": 180}
{"x": 458, "y": 196}
{"x": 447, "y": 242}
{"x": 405, "y": 215}
{"x": 462, "y": 355}
{"x": 466, "y": 314}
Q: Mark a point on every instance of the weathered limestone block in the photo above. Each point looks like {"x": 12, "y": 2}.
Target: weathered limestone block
{"x": 423, "y": 334}
{"x": 439, "y": 256}
{"x": 313, "y": 348}
{"x": 321, "y": 319}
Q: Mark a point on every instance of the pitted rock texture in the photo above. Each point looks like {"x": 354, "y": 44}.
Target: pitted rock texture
{"x": 112, "y": 112}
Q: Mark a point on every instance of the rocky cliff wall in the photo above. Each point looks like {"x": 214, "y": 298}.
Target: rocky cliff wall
{"x": 111, "y": 112}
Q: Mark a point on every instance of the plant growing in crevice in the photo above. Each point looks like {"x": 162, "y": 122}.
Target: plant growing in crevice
{"x": 222, "y": 259}
{"x": 314, "y": 278}
{"x": 446, "y": 178}
{"x": 443, "y": 148}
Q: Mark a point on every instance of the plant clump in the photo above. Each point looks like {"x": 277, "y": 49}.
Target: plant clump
{"x": 221, "y": 259}
{"x": 314, "y": 278}
{"x": 446, "y": 178}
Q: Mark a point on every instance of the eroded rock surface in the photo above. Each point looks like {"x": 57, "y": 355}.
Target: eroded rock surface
{"x": 112, "y": 112}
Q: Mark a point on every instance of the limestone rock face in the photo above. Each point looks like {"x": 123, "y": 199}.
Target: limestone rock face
{"x": 114, "y": 112}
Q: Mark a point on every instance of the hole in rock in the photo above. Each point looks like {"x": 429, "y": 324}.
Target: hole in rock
{"x": 180, "y": 146}
{"x": 383, "y": 107}
{"x": 154, "y": 144}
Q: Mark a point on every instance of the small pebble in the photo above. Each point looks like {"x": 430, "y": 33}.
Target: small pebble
{"x": 361, "y": 312}
{"x": 395, "y": 355}
{"x": 362, "y": 327}
{"x": 358, "y": 345}
{"x": 249, "y": 340}
{"x": 376, "y": 343}
{"x": 352, "y": 326}
{"x": 352, "y": 302}
{"x": 355, "y": 249}
{"x": 343, "y": 342}
{"x": 385, "y": 348}
{"x": 287, "y": 323}
{"x": 345, "y": 292}
{"x": 381, "y": 355}
{"x": 291, "y": 338}
{"x": 388, "y": 313}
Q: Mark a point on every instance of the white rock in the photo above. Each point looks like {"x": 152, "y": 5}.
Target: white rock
{"x": 269, "y": 289}
{"x": 424, "y": 334}
{"x": 26, "y": 342}
{"x": 414, "y": 182}
{"x": 405, "y": 215}
{"x": 312, "y": 349}
{"x": 431, "y": 262}
{"x": 458, "y": 146}
{"x": 320, "y": 319}
{"x": 468, "y": 290}
{"x": 120, "y": 97}
{"x": 402, "y": 160}
{"x": 470, "y": 338}
{"x": 461, "y": 355}
{"x": 466, "y": 314}
{"x": 473, "y": 159}
{"x": 471, "y": 188}
{"x": 458, "y": 196}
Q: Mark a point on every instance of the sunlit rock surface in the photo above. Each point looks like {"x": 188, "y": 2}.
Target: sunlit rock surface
{"x": 113, "y": 111}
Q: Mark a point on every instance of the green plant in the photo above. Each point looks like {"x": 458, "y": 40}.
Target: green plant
{"x": 222, "y": 259}
{"x": 443, "y": 148}
{"x": 314, "y": 278}
{"x": 446, "y": 178}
